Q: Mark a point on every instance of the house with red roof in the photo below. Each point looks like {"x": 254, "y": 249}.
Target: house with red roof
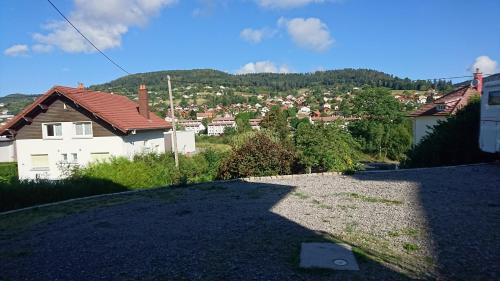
{"x": 428, "y": 116}
{"x": 75, "y": 126}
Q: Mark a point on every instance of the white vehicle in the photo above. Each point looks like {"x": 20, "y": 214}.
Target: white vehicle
{"x": 489, "y": 137}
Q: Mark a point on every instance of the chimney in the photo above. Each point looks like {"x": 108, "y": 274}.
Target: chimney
{"x": 478, "y": 81}
{"x": 143, "y": 101}
{"x": 80, "y": 86}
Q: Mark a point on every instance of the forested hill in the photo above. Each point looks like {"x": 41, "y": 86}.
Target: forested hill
{"x": 342, "y": 79}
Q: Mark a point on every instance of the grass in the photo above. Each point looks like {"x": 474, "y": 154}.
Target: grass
{"x": 368, "y": 247}
{"x": 221, "y": 147}
{"x": 410, "y": 247}
{"x": 301, "y": 195}
{"x": 347, "y": 207}
{"x": 411, "y": 232}
{"x": 371, "y": 199}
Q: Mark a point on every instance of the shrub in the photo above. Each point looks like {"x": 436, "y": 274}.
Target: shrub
{"x": 326, "y": 148}
{"x": 8, "y": 172}
{"x": 258, "y": 156}
{"x": 19, "y": 194}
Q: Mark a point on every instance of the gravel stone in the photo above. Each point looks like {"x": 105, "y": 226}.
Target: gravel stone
{"x": 439, "y": 223}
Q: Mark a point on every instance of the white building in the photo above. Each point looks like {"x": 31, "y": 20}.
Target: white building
{"x": 7, "y": 150}
{"x": 74, "y": 126}
{"x": 186, "y": 143}
{"x": 255, "y": 124}
{"x": 218, "y": 125}
{"x": 305, "y": 110}
{"x": 195, "y": 126}
{"x": 428, "y": 116}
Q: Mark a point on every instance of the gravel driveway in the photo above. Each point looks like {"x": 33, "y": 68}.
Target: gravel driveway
{"x": 439, "y": 223}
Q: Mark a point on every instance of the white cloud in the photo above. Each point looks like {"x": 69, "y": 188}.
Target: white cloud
{"x": 104, "y": 22}
{"x": 256, "y": 35}
{"x": 310, "y": 33}
{"x": 41, "y": 48}
{"x": 16, "y": 50}
{"x": 263, "y": 67}
{"x": 485, "y": 65}
{"x": 286, "y": 4}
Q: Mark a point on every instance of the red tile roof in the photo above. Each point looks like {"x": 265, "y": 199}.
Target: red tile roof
{"x": 116, "y": 110}
{"x": 452, "y": 102}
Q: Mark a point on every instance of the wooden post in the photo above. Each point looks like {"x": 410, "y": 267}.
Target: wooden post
{"x": 174, "y": 129}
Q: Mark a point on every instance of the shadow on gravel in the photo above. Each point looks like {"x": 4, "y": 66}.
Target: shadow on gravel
{"x": 215, "y": 231}
{"x": 462, "y": 208}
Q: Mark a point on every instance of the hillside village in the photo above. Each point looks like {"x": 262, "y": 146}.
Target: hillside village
{"x": 196, "y": 102}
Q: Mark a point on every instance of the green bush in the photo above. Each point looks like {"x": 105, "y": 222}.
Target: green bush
{"x": 8, "y": 172}
{"x": 19, "y": 194}
{"x": 258, "y": 156}
{"x": 326, "y": 148}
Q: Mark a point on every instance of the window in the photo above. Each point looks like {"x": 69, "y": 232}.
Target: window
{"x": 494, "y": 98}
{"x": 64, "y": 157}
{"x": 52, "y": 130}
{"x": 99, "y": 156}
{"x": 440, "y": 107}
{"x": 39, "y": 162}
{"x": 83, "y": 129}
{"x": 74, "y": 158}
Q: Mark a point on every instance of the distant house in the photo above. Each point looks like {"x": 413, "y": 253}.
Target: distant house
{"x": 425, "y": 118}
{"x": 255, "y": 123}
{"x": 195, "y": 126}
{"x": 327, "y": 120}
{"x": 204, "y": 115}
{"x": 218, "y": 125}
{"x": 305, "y": 110}
{"x": 74, "y": 126}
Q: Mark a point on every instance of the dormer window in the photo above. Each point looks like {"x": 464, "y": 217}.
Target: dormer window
{"x": 440, "y": 107}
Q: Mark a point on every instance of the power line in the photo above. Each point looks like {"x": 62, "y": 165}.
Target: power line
{"x": 102, "y": 53}
{"x": 456, "y": 77}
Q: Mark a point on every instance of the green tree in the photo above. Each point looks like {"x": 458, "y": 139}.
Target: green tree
{"x": 382, "y": 128}
{"x": 276, "y": 121}
{"x": 326, "y": 147}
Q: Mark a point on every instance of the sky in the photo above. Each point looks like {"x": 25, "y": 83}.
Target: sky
{"x": 419, "y": 39}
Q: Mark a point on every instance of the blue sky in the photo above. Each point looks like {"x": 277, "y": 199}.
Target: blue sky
{"x": 415, "y": 39}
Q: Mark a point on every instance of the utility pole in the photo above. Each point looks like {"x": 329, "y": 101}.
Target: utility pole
{"x": 174, "y": 129}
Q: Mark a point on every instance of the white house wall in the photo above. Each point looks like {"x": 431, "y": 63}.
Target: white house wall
{"x": 55, "y": 148}
{"x": 144, "y": 141}
{"x": 186, "y": 142}
{"x": 423, "y": 125}
{"x": 126, "y": 146}
{"x": 7, "y": 151}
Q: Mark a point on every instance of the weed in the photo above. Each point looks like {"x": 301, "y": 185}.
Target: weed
{"x": 410, "y": 247}
{"x": 301, "y": 195}
{"x": 370, "y": 199}
{"x": 347, "y": 207}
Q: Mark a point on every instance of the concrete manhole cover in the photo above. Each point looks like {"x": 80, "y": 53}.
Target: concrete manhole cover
{"x": 340, "y": 262}
{"x": 327, "y": 255}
